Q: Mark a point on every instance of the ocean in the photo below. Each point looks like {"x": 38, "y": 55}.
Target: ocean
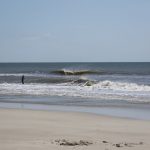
{"x": 76, "y": 84}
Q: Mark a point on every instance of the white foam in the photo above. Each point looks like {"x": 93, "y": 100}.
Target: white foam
{"x": 16, "y": 74}
{"x": 25, "y": 74}
{"x": 102, "y": 90}
{"x": 121, "y": 86}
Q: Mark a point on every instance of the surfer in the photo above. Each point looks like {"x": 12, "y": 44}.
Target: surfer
{"x": 22, "y": 79}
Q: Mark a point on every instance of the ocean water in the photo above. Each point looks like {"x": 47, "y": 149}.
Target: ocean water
{"x": 103, "y": 81}
{"x": 90, "y": 85}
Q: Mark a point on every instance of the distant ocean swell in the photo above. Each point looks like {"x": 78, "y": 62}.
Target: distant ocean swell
{"x": 78, "y": 72}
{"x": 96, "y": 72}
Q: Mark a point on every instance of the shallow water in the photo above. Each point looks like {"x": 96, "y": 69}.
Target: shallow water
{"x": 104, "y": 107}
{"x": 123, "y": 112}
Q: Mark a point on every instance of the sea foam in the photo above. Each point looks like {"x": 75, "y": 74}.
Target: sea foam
{"x": 101, "y": 90}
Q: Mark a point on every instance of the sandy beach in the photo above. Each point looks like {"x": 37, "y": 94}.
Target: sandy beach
{"x": 36, "y": 130}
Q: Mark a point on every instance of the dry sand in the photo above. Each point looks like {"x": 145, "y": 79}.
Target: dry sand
{"x": 42, "y": 130}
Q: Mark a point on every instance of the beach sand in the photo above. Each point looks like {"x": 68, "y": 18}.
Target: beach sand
{"x": 43, "y": 130}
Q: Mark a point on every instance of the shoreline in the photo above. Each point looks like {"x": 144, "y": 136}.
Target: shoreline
{"x": 134, "y": 112}
{"x": 28, "y": 129}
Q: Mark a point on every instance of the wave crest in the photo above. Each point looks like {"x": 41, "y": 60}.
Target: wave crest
{"x": 74, "y": 72}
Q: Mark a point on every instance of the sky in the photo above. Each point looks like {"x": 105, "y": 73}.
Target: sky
{"x": 74, "y": 30}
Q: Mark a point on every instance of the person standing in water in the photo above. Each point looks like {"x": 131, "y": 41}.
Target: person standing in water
{"x": 22, "y": 79}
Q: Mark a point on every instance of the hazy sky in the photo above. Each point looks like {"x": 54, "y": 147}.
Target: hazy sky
{"x": 74, "y": 30}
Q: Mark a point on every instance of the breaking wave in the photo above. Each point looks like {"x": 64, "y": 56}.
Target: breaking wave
{"x": 102, "y": 90}
{"x": 75, "y": 72}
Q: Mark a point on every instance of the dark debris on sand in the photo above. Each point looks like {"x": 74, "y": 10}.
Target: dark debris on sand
{"x": 127, "y": 144}
{"x": 123, "y": 144}
{"x": 104, "y": 142}
{"x": 65, "y": 142}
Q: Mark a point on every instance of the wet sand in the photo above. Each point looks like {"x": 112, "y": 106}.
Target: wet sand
{"x": 36, "y": 130}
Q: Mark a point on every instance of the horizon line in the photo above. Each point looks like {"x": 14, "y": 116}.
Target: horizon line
{"x": 82, "y": 62}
